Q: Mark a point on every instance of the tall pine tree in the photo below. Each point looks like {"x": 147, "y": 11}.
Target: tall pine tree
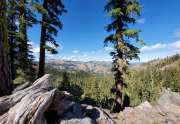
{"x": 123, "y": 13}
{"x": 49, "y": 28}
{"x": 12, "y": 17}
{"x": 25, "y": 58}
{"x": 6, "y": 85}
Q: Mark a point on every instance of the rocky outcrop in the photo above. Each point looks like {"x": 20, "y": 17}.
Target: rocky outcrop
{"x": 86, "y": 114}
{"x": 170, "y": 101}
{"x": 41, "y": 104}
{"x": 166, "y": 112}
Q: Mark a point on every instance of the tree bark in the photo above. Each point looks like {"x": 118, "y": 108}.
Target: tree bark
{"x": 118, "y": 64}
{"x": 5, "y": 74}
{"x": 29, "y": 105}
{"x": 34, "y": 104}
{"x": 42, "y": 44}
{"x": 23, "y": 48}
{"x": 12, "y": 39}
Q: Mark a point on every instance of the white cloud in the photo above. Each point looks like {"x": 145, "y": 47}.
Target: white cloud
{"x": 141, "y": 21}
{"x": 149, "y": 52}
{"x": 34, "y": 47}
{"x": 92, "y": 52}
{"x": 85, "y": 55}
{"x": 75, "y": 51}
{"x": 153, "y": 47}
{"x": 174, "y": 45}
{"x": 93, "y": 55}
{"x": 108, "y": 48}
{"x": 17, "y": 23}
{"x": 60, "y": 47}
{"x": 177, "y": 33}
{"x": 159, "y": 50}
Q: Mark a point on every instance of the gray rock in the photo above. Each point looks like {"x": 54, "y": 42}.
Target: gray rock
{"x": 86, "y": 114}
{"x": 144, "y": 106}
{"x": 166, "y": 112}
{"x": 85, "y": 120}
{"x": 170, "y": 101}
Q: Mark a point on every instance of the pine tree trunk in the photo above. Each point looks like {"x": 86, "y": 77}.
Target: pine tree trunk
{"x": 42, "y": 44}
{"x": 42, "y": 53}
{"x": 119, "y": 64}
{"x": 5, "y": 75}
{"x": 23, "y": 49}
{"x": 118, "y": 102}
{"x": 12, "y": 39}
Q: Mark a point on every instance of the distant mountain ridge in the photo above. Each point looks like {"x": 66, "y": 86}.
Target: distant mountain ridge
{"x": 104, "y": 67}
{"x": 98, "y": 67}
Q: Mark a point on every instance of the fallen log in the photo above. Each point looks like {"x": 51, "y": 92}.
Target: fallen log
{"x": 21, "y": 87}
{"x": 41, "y": 104}
{"x": 28, "y": 106}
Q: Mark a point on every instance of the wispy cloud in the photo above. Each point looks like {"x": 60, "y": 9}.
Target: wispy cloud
{"x": 159, "y": 46}
{"x": 148, "y": 52}
{"x": 153, "y": 47}
{"x": 36, "y": 49}
{"x": 93, "y": 55}
{"x": 159, "y": 50}
{"x": 108, "y": 48}
{"x": 177, "y": 33}
{"x": 141, "y": 21}
{"x": 75, "y": 51}
{"x": 92, "y": 52}
{"x": 175, "y": 45}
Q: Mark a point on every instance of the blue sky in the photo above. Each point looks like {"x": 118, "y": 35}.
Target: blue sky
{"x": 83, "y": 31}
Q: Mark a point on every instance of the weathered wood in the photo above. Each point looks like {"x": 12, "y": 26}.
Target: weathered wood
{"x": 28, "y": 106}
{"x": 5, "y": 75}
{"x": 41, "y": 104}
{"x": 21, "y": 87}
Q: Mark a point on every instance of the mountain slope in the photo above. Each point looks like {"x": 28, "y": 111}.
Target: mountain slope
{"x": 146, "y": 81}
{"x": 98, "y": 67}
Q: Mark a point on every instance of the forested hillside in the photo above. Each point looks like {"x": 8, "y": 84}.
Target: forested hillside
{"x": 145, "y": 82}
